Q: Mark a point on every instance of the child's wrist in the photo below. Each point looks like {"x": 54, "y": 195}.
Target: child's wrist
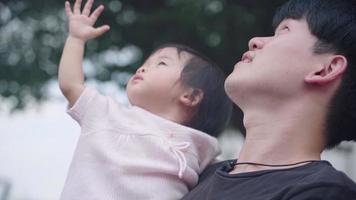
{"x": 76, "y": 40}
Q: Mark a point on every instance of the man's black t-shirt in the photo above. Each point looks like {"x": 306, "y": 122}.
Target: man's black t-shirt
{"x": 313, "y": 181}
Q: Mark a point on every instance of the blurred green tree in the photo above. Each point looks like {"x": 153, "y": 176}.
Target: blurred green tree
{"x": 32, "y": 35}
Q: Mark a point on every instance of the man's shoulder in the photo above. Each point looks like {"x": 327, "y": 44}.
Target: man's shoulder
{"x": 327, "y": 174}
{"x": 323, "y": 179}
{"x": 310, "y": 181}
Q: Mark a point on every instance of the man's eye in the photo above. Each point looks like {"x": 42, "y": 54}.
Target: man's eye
{"x": 282, "y": 30}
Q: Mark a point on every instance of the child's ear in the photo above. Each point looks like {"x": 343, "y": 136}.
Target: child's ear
{"x": 191, "y": 97}
{"x": 329, "y": 72}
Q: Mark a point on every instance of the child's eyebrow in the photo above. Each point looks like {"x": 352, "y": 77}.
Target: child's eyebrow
{"x": 165, "y": 57}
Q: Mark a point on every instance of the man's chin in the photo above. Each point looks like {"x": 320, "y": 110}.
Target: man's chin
{"x": 230, "y": 90}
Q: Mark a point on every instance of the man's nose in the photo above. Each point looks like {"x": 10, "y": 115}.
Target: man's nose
{"x": 257, "y": 43}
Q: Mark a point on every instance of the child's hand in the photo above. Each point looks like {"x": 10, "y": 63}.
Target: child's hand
{"x": 81, "y": 23}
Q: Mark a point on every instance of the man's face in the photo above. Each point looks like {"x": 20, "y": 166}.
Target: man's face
{"x": 274, "y": 66}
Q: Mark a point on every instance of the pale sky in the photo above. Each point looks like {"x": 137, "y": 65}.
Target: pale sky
{"x": 35, "y": 150}
{"x": 36, "y": 146}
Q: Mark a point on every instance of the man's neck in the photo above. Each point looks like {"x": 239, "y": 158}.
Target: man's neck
{"x": 281, "y": 136}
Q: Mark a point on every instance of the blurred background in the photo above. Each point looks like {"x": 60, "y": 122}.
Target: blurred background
{"x": 38, "y": 138}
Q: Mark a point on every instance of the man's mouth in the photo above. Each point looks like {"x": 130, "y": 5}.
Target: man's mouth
{"x": 248, "y": 57}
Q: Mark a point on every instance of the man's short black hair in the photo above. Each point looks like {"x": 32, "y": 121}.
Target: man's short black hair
{"x": 201, "y": 73}
{"x": 333, "y": 22}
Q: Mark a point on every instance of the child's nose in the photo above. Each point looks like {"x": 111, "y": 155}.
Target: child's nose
{"x": 141, "y": 70}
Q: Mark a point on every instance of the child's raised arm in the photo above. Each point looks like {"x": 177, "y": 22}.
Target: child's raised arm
{"x": 70, "y": 73}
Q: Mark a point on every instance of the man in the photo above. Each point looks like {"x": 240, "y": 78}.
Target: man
{"x": 297, "y": 90}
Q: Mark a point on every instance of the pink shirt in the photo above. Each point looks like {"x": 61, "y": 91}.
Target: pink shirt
{"x": 129, "y": 153}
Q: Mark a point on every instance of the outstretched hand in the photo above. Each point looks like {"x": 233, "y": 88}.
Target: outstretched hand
{"x": 81, "y": 23}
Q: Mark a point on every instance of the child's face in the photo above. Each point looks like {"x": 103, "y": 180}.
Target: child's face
{"x": 156, "y": 85}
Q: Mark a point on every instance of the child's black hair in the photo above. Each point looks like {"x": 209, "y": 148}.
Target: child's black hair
{"x": 201, "y": 73}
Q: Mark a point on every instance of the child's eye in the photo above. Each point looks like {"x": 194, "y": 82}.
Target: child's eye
{"x": 162, "y": 63}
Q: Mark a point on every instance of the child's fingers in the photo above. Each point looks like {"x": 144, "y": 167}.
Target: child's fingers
{"x": 101, "y": 30}
{"x": 68, "y": 9}
{"x": 77, "y": 5}
{"x": 87, "y": 7}
{"x": 94, "y": 16}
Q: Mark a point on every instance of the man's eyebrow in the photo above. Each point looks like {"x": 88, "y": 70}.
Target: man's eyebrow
{"x": 279, "y": 26}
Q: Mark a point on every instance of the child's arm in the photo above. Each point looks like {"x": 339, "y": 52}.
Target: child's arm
{"x": 70, "y": 73}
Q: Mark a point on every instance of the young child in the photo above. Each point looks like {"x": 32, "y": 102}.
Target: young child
{"x": 156, "y": 148}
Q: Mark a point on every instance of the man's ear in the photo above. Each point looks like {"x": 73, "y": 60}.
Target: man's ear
{"x": 329, "y": 72}
{"x": 191, "y": 97}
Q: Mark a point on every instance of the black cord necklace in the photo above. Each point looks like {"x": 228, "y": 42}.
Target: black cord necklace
{"x": 272, "y": 165}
